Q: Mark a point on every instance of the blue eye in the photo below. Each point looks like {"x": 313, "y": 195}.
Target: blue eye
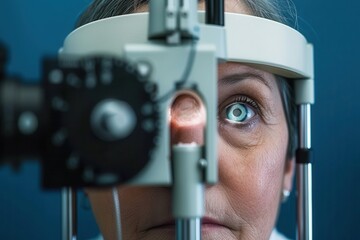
{"x": 239, "y": 112}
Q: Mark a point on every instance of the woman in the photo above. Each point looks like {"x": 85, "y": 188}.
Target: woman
{"x": 256, "y": 150}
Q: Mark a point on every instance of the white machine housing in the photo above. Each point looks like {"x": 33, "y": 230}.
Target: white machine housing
{"x": 255, "y": 41}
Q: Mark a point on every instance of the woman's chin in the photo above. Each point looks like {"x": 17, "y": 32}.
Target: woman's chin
{"x": 208, "y": 232}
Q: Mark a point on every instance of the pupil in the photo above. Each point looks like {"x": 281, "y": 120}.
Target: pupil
{"x": 237, "y": 112}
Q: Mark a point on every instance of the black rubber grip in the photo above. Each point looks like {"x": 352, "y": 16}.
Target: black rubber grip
{"x": 303, "y": 156}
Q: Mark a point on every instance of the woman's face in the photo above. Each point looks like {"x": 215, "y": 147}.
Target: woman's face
{"x": 253, "y": 170}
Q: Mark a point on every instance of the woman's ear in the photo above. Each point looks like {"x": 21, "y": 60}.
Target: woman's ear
{"x": 289, "y": 171}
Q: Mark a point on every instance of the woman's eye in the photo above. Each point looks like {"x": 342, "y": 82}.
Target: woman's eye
{"x": 239, "y": 112}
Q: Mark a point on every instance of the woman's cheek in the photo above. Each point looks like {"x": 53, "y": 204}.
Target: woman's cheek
{"x": 251, "y": 178}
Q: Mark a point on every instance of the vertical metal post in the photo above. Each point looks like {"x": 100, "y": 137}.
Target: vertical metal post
{"x": 304, "y": 175}
{"x": 215, "y": 12}
{"x": 188, "y": 229}
{"x": 117, "y": 212}
{"x": 69, "y": 214}
{"x": 188, "y": 190}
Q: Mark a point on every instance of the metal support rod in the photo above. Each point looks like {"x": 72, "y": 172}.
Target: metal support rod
{"x": 305, "y": 126}
{"x": 304, "y": 176}
{"x": 69, "y": 214}
{"x": 304, "y": 205}
{"x": 215, "y": 12}
{"x": 117, "y": 212}
{"x": 188, "y": 229}
{"x": 188, "y": 190}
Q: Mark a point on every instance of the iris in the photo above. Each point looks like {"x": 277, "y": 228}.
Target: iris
{"x": 239, "y": 112}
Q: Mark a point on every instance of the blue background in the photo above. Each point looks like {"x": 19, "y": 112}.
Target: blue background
{"x": 32, "y": 29}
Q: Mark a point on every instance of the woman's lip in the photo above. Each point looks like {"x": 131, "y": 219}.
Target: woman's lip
{"x": 206, "y": 221}
{"x": 210, "y": 221}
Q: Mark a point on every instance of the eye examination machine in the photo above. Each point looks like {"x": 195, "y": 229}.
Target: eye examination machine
{"x": 100, "y": 115}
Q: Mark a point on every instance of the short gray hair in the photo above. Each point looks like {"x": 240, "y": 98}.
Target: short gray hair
{"x": 282, "y": 11}
{"x": 278, "y": 10}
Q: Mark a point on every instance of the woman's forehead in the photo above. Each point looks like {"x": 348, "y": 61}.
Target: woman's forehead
{"x": 235, "y": 6}
{"x": 232, "y": 68}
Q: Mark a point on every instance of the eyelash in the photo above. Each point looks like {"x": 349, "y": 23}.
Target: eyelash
{"x": 247, "y": 100}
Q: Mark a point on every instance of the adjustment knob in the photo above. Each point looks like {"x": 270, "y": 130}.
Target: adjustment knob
{"x": 113, "y": 120}
{"x": 105, "y": 120}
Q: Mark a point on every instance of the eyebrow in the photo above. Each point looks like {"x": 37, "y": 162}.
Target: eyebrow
{"x": 238, "y": 77}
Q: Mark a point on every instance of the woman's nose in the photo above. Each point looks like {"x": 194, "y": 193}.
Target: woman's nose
{"x": 187, "y": 119}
